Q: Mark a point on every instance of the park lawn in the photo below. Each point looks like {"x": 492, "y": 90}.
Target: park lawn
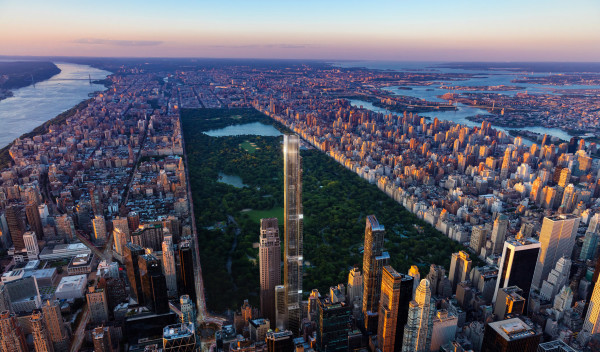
{"x": 248, "y": 146}
{"x": 256, "y": 215}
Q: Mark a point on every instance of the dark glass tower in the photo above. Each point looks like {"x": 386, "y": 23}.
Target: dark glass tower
{"x": 292, "y": 175}
{"x": 131, "y": 253}
{"x": 374, "y": 259}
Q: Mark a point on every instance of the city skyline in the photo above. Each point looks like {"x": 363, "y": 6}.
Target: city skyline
{"x": 386, "y": 30}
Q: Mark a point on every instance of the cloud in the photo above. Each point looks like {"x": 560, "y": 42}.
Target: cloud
{"x": 269, "y": 46}
{"x": 97, "y": 41}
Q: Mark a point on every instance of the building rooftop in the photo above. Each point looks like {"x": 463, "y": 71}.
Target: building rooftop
{"x": 512, "y": 329}
{"x": 176, "y": 331}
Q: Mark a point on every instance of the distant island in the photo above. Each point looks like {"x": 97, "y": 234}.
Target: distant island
{"x": 18, "y": 74}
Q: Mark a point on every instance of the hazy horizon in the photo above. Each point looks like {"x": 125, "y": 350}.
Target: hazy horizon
{"x": 436, "y": 30}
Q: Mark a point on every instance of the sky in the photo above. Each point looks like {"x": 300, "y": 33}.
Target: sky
{"x": 402, "y": 30}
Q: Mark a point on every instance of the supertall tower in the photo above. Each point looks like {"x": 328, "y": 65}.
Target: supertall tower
{"x": 292, "y": 183}
{"x": 374, "y": 259}
{"x": 270, "y": 266}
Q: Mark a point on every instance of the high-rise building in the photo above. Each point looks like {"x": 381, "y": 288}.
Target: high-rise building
{"x": 154, "y": 285}
{"x": 41, "y": 339}
{"x": 281, "y": 341}
{"x": 519, "y": 258}
{"x": 12, "y": 338}
{"x": 101, "y": 339}
{"x": 419, "y": 326}
{"x": 188, "y": 314}
{"x": 591, "y": 324}
{"x": 179, "y": 338}
{"x": 16, "y": 225}
{"x": 31, "y": 245}
{"x": 374, "y": 259}
{"x": 168, "y": 261}
{"x": 509, "y": 301}
{"x": 499, "y": 233}
{"x": 270, "y": 266}
{"x": 558, "y": 277}
{"x": 56, "y": 326}
{"x": 65, "y": 226}
{"x": 510, "y": 335}
{"x": 557, "y": 239}
{"x": 35, "y": 221}
{"x": 131, "y": 253}
{"x": 478, "y": 238}
{"x": 280, "y": 305}
{"x": 355, "y": 287}
{"x": 460, "y": 268}
{"x": 444, "y": 329}
{"x": 396, "y": 295}
{"x": 293, "y": 230}
{"x": 186, "y": 270}
{"x": 333, "y": 325}
{"x": 98, "y": 305}
{"x": 590, "y": 245}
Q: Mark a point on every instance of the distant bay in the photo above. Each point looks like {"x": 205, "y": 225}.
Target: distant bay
{"x": 31, "y": 106}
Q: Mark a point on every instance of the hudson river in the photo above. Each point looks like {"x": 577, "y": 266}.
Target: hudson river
{"x": 32, "y": 106}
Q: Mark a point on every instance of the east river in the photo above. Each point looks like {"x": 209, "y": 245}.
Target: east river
{"x": 480, "y": 78}
{"x": 31, "y": 106}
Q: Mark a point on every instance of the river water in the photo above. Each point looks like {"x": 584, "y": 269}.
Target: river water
{"x": 32, "y": 106}
{"x": 480, "y": 78}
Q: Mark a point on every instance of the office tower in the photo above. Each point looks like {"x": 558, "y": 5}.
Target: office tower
{"x": 590, "y": 245}
{"x": 478, "y": 238}
{"x": 509, "y": 301}
{"x": 121, "y": 224}
{"x": 16, "y": 225}
{"x": 280, "y": 304}
{"x": 55, "y": 325}
{"x": 557, "y": 239}
{"x": 270, "y": 266}
{"x": 444, "y": 329}
{"x": 564, "y": 300}
{"x": 24, "y": 294}
{"x": 591, "y": 324}
{"x": 355, "y": 287}
{"x": 168, "y": 260}
{"x": 438, "y": 282}
{"x": 35, "y": 221}
{"x": 30, "y": 241}
{"x": 154, "y": 285}
{"x": 281, "y": 341}
{"x": 499, "y": 233}
{"x": 41, "y": 339}
{"x": 333, "y": 325}
{"x": 374, "y": 259}
{"x": 131, "y": 254}
{"x": 4, "y": 298}
{"x": 186, "y": 270}
{"x": 179, "y": 338}
{"x": 12, "y": 338}
{"x": 519, "y": 260}
{"x": 98, "y": 305}
{"x": 101, "y": 339}
{"x": 510, "y": 335}
{"x": 396, "y": 295}
{"x": 293, "y": 222}
{"x": 187, "y": 310}
{"x": 419, "y": 325}
{"x": 558, "y": 277}
{"x": 460, "y": 268}
{"x": 464, "y": 294}
{"x": 555, "y": 346}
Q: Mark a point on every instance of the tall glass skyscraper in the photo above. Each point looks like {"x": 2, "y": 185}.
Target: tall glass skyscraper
{"x": 374, "y": 259}
{"x": 292, "y": 182}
